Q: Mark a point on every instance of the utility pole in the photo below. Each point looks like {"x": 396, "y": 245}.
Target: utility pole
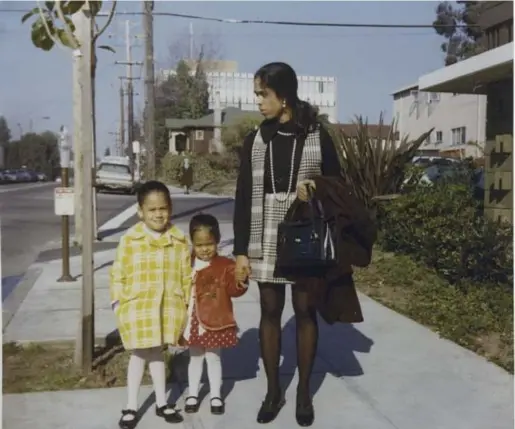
{"x": 150, "y": 96}
{"x": 77, "y": 163}
{"x": 130, "y": 92}
{"x": 191, "y": 41}
{"x": 130, "y": 96}
{"x": 122, "y": 121}
{"x": 117, "y": 146}
{"x": 84, "y": 103}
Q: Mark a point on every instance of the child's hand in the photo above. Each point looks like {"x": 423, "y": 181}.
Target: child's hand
{"x": 243, "y": 269}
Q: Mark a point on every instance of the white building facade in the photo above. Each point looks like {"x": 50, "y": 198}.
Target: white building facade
{"x": 457, "y": 119}
{"x": 237, "y": 90}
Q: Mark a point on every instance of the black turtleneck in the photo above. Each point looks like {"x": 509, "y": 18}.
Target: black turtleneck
{"x": 282, "y": 155}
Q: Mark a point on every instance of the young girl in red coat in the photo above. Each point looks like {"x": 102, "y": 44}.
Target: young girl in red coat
{"x": 211, "y": 324}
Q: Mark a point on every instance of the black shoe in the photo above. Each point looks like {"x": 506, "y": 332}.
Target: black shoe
{"x": 128, "y": 423}
{"x": 270, "y": 409}
{"x": 217, "y": 409}
{"x": 172, "y": 416}
{"x": 191, "y": 408}
{"x": 304, "y": 413}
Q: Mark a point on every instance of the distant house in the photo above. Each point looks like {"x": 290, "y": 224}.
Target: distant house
{"x": 202, "y": 135}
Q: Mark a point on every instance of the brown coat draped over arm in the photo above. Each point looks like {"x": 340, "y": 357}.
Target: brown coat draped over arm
{"x": 355, "y": 234}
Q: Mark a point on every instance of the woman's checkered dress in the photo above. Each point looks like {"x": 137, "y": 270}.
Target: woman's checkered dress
{"x": 268, "y": 210}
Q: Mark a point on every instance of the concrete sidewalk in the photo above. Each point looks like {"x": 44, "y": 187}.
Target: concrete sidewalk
{"x": 386, "y": 373}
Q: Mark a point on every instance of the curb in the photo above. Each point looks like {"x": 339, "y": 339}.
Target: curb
{"x": 16, "y": 297}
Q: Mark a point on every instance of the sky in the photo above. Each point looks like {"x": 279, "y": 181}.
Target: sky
{"x": 369, "y": 63}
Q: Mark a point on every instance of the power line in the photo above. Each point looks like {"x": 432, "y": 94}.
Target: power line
{"x": 271, "y": 22}
{"x": 301, "y": 34}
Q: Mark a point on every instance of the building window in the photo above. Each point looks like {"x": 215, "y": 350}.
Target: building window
{"x": 458, "y": 136}
{"x": 320, "y": 87}
{"x": 199, "y": 135}
{"x": 438, "y": 137}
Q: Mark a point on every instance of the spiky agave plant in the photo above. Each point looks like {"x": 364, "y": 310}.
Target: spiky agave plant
{"x": 373, "y": 166}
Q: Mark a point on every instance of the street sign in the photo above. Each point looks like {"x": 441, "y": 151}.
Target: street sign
{"x": 135, "y": 147}
{"x": 64, "y": 202}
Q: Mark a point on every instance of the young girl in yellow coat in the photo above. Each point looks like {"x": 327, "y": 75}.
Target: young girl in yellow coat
{"x": 150, "y": 289}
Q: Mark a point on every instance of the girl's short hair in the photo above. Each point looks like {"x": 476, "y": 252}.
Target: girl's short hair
{"x": 152, "y": 186}
{"x": 204, "y": 220}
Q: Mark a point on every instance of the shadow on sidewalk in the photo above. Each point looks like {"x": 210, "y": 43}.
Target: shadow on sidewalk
{"x": 104, "y": 265}
{"x": 336, "y": 355}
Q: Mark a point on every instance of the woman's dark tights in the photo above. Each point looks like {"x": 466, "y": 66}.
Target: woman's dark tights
{"x": 272, "y": 304}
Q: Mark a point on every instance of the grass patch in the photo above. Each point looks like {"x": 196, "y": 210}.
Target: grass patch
{"x": 49, "y": 367}
{"x": 478, "y": 317}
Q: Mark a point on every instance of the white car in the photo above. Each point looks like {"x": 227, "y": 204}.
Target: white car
{"x": 114, "y": 174}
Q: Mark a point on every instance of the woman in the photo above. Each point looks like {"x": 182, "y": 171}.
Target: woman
{"x": 277, "y": 162}
{"x": 187, "y": 175}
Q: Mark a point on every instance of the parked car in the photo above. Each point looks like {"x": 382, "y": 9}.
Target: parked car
{"x": 41, "y": 177}
{"x": 114, "y": 174}
{"x": 12, "y": 176}
{"x": 32, "y": 175}
{"x": 23, "y": 175}
{"x": 426, "y": 161}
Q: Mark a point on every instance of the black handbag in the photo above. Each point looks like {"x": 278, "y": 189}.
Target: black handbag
{"x": 306, "y": 244}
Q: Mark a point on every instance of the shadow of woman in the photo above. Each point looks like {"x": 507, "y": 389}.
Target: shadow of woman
{"x": 241, "y": 362}
{"x": 336, "y": 353}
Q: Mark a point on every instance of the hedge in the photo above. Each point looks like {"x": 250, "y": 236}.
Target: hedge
{"x": 207, "y": 168}
{"x": 443, "y": 227}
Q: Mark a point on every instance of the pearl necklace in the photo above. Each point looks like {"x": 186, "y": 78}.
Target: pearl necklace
{"x": 282, "y": 200}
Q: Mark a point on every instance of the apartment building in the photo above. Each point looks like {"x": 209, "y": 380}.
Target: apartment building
{"x": 456, "y": 118}
{"x": 236, "y": 89}
{"x": 489, "y": 73}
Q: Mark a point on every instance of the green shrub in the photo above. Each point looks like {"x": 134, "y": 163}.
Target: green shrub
{"x": 206, "y": 168}
{"x": 443, "y": 227}
{"x": 234, "y": 134}
{"x": 374, "y": 163}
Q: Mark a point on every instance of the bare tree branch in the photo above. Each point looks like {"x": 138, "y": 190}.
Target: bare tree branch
{"x": 108, "y": 22}
{"x": 210, "y": 43}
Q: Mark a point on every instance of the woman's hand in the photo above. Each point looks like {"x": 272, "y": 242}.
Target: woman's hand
{"x": 242, "y": 269}
{"x": 302, "y": 189}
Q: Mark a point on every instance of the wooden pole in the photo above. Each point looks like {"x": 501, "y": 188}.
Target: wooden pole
{"x": 85, "y": 339}
{"x": 150, "y": 97}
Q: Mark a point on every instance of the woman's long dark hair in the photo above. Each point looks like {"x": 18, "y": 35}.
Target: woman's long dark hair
{"x": 282, "y": 79}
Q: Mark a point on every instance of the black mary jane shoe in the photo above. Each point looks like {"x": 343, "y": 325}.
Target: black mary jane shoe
{"x": 217, "y": 409}
{"x": 172, "y": 416}
{"x": 270, "y": 409}
{"x": 125, "y": 423}
{"x": 191, "y": 408}
{"x": 304, "y": 413}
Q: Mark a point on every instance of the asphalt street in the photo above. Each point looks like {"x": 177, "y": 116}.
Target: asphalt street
{"x": 29, "y": 225}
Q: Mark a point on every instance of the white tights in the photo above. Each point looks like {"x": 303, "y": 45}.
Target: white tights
{"x": 156, "y": 365}
{"x": 214, "y": 373}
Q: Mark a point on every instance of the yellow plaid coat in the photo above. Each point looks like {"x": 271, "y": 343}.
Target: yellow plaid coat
{"x": 151, "y": 280}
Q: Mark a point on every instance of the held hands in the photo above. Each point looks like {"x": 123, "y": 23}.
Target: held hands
{"x": 242, "y": 269}
{"x": 302, "y": 189}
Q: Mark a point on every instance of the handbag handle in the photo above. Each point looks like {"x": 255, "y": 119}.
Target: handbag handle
{"x": 312, "y": 201}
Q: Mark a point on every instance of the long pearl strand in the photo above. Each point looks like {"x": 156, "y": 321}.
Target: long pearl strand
{"x": 282, "y": 200}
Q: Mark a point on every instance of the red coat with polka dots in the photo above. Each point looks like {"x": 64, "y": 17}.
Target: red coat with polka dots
{"x": 215, "y": 286}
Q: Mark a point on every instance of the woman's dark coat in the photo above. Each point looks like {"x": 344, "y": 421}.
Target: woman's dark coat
{"x": 355, "y": 234}
{"x": 187, "y": 177}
